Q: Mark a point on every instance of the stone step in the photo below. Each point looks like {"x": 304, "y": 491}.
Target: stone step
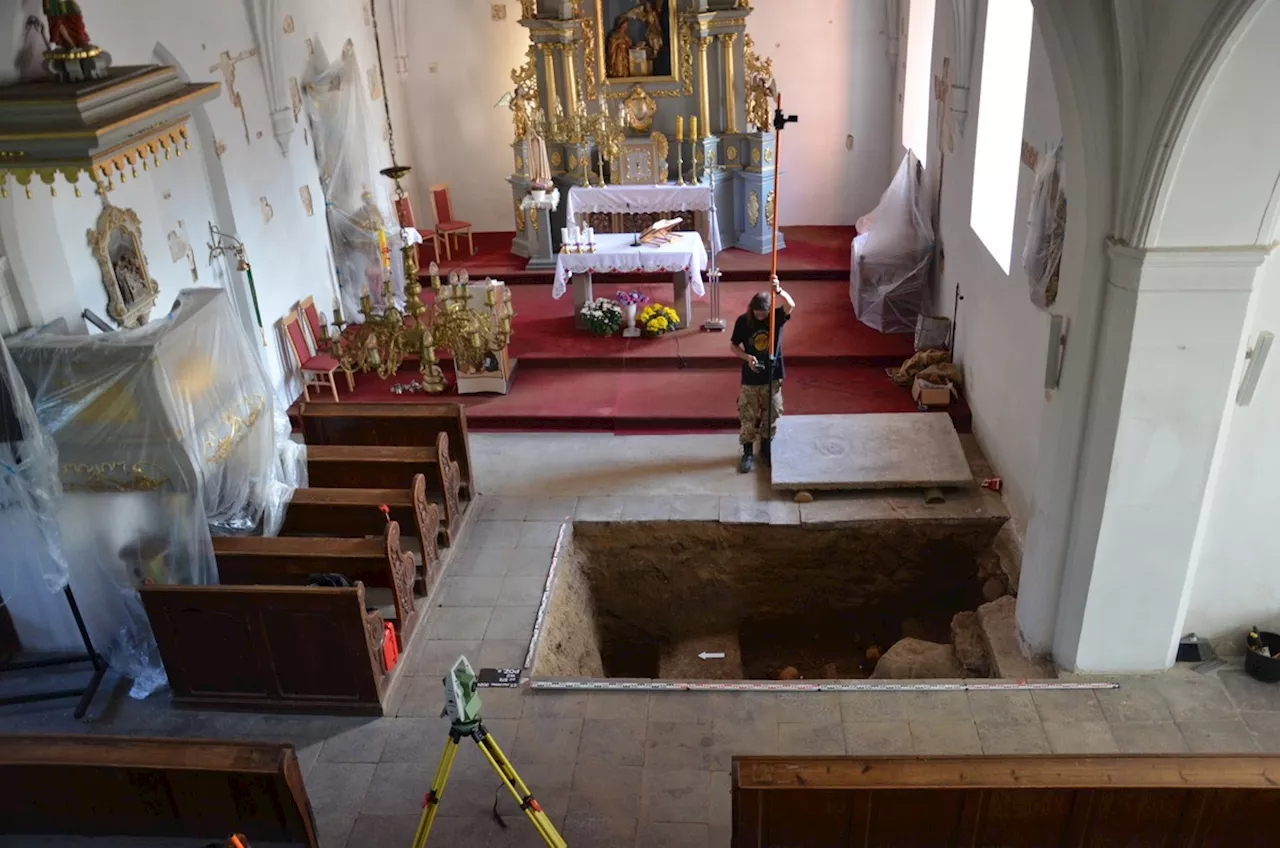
{"x": 999, "y": 627}
{"x": 680, "y": 661}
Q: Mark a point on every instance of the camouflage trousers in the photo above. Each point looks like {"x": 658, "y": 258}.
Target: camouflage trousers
{"x": 751, "y": 411}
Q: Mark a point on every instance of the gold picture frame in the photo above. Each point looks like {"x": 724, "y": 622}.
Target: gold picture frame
{"x": 116, "y": 242}
{"x": 678, "y": 50}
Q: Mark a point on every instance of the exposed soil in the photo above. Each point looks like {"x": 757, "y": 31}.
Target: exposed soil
{"x": 814, "y": 600}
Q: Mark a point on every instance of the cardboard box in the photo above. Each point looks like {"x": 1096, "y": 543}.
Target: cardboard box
{"x": 931, "y": 395}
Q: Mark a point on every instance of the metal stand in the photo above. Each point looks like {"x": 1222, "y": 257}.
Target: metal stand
{"x": 90, "y": 655}
{"x": 716, "y": 322}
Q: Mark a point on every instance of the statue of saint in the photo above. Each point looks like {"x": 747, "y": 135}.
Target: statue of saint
{"x": 66, "y": 25}
{"x": 618, "y": 60}
{"x": 649, "y": 13}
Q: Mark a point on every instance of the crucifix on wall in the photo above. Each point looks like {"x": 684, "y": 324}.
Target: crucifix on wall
{"x": 227, "y": 67}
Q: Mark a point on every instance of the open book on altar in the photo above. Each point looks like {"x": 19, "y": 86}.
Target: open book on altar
{"x": 661, "y": 232}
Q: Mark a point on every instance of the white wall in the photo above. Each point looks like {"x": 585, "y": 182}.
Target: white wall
{"x": 1000, "y": 336}
{"x": 832, "y": 64}
{"x": 290, "y": 252}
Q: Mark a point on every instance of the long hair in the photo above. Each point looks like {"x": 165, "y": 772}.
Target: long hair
{"x": 760, "y": 301}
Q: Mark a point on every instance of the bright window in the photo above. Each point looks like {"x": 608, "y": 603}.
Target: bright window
{"x": 918, "y": 86}
{"x": 1002, "y": 99}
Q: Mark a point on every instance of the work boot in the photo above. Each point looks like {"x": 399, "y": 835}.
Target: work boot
{"x": 766, "y": 454}
{"x": 744, "y": 464}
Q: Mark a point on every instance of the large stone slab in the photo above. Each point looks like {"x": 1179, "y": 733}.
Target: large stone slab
{"x": 868, "y": 452}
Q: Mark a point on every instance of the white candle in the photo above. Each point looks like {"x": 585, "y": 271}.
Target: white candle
{"x": 564, "y": 235}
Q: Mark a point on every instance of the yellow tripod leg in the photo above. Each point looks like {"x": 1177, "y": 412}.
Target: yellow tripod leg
{"x": 432, "y": 802}
{"x": 532, "y": 809}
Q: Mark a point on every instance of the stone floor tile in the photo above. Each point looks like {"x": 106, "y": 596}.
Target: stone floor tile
{"x": 738, "y": 738}
{"x": 458, "y": 623}
{"x": 695, "y": 508}
{"x": 415, "y": 740}
{"x": 1249, "y": 694}
{"x": 340, "y": 786}
{"x": 397, "y": 789}
{"x": 521, "y": 590}
{"x": 698, "y": 707}
{"x": 618, "y": 705}
{"x": 551, "y": 509}
{"x": 361, "y": 744}
{"x": 720, "y": 802}
{"x": 872, "y": 706}
{"x": 1194, "y": 697}
{"x": 605, "y": 792}
{"x": 1223, "y": 736}
{"x": 495, "y": 534}
{"x": 423, "y": 698}
{"x": 753, "y": 706}
{"x": 1266, "y": 729}
{"x": 480, "y": 562}
{"x": 599, "y": 509}
{"x": 671, "y": 744}
{"x": 1138, "y": 701}
{"x": 333, "y": 827}
{"x": 470, "y": 591}
{"x": 748, "y": 510}
{"x": 511, "y": 623}
{"x": 551, "y": 704}
{"x": 675, "y": 795}
{"x": 500, "y": 653}
{"x": 602, "y": 832}
{"x": 551, "y": 784}
{"x": 945, "y": 738}
{"x": 811, "y": 738}
{"x": 434, "y": 657}
{"x": 815, "y": 707}
{"x": 538, "y": 534}
{"x": 1068, "y": 705}
{"x": 547, "y": 740}
{"x": 932, "y": 706}
{"x": 647, "y": 508}
{"x": 877, "y": 738}
{"x": 1080, "y": 737}
{"x": 613, "y": 742}
{"x": 668, "y": 835}
{"x": 500, "y": 702}
{"x": 998, "y": 708}
{"x": 529, "y": 562}
{"x": 503, "y": 508}
{"x": 1148, "y": 737}
{"x": 374, "y": 830}
{"x": 1013, "y": 739}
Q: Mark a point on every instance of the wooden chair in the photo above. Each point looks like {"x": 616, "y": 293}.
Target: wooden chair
{"x": 317, "y": 369}
{"x": 404, "y": 214}
{"x": 307, "y": 308}
{"x": 446, "y": 226}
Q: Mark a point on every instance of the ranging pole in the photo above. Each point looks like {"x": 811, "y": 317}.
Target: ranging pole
{"x": 780, "y": 121}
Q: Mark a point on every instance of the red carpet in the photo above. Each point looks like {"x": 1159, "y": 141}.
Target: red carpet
{"x": 683, "y": 382}
{"x": 811, "y": 253}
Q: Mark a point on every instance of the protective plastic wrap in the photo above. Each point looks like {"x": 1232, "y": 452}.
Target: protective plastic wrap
{"x": 1046, "y": 230}
{"x": 892, "y": 255}
{"x": 162, "y": 433}
{"x": 355, "y": 203}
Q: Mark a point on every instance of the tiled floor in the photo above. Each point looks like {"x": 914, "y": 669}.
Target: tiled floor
{"x": 623, "y": 769}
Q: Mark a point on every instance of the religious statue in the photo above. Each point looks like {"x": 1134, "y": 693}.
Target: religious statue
{"x": 760, "y": 88}
{"x": 523, "y": 99}
{"x": 618, "y": 60}
{"x": 66, "y": 25}
{"x": 649, "y": 12}
{"x": 133, "y": 286}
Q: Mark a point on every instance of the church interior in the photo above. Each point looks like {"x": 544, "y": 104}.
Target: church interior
{"x": 749, "y": 422}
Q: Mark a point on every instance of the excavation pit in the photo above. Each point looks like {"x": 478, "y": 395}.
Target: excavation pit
{"x": 672, "y": 600}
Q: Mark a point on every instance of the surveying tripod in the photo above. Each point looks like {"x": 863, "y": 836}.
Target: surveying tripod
{"x": 462, "y": 708}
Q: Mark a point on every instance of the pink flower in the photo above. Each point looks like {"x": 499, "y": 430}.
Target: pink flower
{"x": 632, "y": 298}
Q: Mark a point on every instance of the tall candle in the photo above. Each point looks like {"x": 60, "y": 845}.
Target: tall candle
{"x": 679, "y": 127}
{"x": 693, "y": 127}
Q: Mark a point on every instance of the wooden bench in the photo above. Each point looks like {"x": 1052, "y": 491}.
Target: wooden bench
{"x": 377, "y": 563}
{"x": 389, "y": 467}
{"x": 391, "y": 425}
{"x": 269, "y": 648}
{"x": 358, "y": 512}
{"x": 106, "y": 786}
{"x": 1013, "y": 802}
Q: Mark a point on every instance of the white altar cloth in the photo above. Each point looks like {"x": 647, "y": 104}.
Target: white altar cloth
{"x": 614, "y": 254}
{"x": 646, "y": 199}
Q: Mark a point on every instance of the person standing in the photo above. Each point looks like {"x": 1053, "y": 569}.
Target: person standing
{"x": 762, "y": 374}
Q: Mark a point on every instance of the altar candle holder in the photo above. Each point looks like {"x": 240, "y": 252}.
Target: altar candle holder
{"x": 680, "y": 163}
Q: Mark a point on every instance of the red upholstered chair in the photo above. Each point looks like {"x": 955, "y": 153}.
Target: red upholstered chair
{"x": 307, "y": 307}
{"x": 317, "y": 370}
{"x": 404, "y": 213}
{"x": 442, "y": 207}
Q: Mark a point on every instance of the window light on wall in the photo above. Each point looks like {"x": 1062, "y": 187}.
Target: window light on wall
{"x": 1006, "y": 60}
{"x": 918, "y": 87}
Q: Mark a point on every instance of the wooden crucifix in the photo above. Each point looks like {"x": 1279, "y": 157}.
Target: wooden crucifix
{"x": 227, "y": 67}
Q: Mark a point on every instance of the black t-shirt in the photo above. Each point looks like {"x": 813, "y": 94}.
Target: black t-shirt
{"x": 753, "y": 337}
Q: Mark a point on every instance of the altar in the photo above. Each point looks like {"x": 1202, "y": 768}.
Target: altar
{"x": 684, "y": 257}
{"x": 633, "y": 208}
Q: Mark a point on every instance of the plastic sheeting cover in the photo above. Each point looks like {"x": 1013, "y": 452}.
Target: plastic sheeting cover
{"x": 1046, "y": 230}
{"x": 891, "y": 256}
{"x": 162, "y": 433}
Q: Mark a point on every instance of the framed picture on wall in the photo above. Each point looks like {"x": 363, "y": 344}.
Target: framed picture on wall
{"x": 638, "y": 41}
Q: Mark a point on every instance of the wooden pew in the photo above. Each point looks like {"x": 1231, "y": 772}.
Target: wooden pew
{"x": 1017, "y": 802}
{"x": 358, "y": 512}
{"x": 388, "y": 467}
{"x": 107, "y": 786}
{"x": 378, "y": 563}
{"x": 391, "y": 425}
{"x": 269, "y": 648}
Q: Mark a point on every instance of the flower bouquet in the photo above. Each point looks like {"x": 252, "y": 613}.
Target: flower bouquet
{"x": 657, "y": 319}
{"x": 602, "y": 316}
{"x": 629, "y": 301}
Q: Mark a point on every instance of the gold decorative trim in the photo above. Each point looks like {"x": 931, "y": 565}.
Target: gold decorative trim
{"x": 755, "y": 156}
{"x": 731, "y": 153}
{"x": 768, "y": 209}
{"x": 116, "y": 242}
{"x": 112, "y": 477}
{"x": 753, "y": 209}
{"x": 165, "y": 138}
{"x": 519, "y": 163}
{"x": 662, "y": 152}
{"x": 533, "y": 218}
{"x": 519, "y": 217}
{"x": 556, "y": 159}
{"x": 640, "y": 109}
{"x": 219, "y": 447}
{"x": 573, "y": 161}
{"x": 768, "y": 156}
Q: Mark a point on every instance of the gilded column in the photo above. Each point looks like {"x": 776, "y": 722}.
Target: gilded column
{"x": 704, "y": 89}
{"x": 549, "y": 77}
{"x": 727, "y": 41}
{"x": 570, "y": 79}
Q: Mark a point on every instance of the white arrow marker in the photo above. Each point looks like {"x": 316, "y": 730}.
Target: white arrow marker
{"x": 708, "y": 655}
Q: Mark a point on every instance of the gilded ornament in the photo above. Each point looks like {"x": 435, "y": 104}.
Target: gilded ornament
{"x": 533, "y": 218}
{"x": 753, "y": 209}
{"x": 519, "y": 217}
{"x": 573, "y": 161}
{"x": 731, "y": 153}
{"x": 116, "y": 242}
{"x": 768, "y": 156}
{"x": 556, "y": 160}
{"x": 768, "y": 209}
{"x": 524, "y": 98}
{"x": 755, "y": 156}
{"x": 519, "y": 163}
{"x": 220, "y": 443}
{"x": 760, "y": 88}
{"x": 640, "y": 110}
{"x": 711, "y": 158}
{"x": 112, "y": 477}
{"x": 662, "y": 150}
